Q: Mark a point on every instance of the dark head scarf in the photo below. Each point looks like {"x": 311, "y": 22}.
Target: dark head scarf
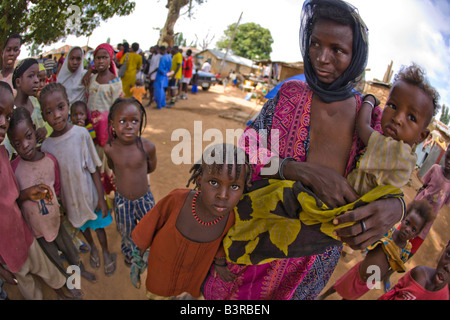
{"x": 345, "y": 14}
{"x": 23, "y": 66}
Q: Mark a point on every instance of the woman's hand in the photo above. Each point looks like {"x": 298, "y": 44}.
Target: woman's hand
{"x": 333, "y": 189}
{"x": 376, "y": 218}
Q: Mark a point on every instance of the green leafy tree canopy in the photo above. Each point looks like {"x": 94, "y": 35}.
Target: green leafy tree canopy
{"x": 46, "y": 21}
{"x": 251, "y": 41}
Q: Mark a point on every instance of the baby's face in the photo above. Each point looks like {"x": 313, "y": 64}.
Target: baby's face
{"x": 407, "y": 113}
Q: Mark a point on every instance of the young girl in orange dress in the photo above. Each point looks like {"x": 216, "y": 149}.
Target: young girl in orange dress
{"x": 184, "y": 231}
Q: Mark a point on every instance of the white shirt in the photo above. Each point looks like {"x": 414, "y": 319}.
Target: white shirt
{"x": 77, "y": 160}
{"x": 206, "y": 67}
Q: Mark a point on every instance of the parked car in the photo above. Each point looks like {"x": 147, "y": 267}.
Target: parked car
{"x": 205, "y": 80}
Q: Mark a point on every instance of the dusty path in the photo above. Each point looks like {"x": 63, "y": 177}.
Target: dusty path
{"x": 214, "y": 109}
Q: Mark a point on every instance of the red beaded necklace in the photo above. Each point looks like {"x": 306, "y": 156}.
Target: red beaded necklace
{"x": 203, "y": 223}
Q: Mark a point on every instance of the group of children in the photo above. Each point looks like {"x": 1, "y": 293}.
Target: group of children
{"x": 65, "y": 146}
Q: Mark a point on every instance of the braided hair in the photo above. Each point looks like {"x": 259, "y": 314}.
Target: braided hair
{"x": 23, "y": 66}
{"x": 50, "y": 88}
{"x": 120, "y": 101}
{"x": 221, "y": 156}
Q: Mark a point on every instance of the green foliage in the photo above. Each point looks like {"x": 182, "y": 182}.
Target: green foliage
{"x": 251, "y": 41}
{"x": 45, "y": 21}
{"x": 445, "y": 116}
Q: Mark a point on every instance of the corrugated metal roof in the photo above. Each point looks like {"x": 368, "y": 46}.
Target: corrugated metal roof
{"x": 230, "y": 58}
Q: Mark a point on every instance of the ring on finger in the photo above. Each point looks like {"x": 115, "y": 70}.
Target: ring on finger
{"x": 363, "y": 226}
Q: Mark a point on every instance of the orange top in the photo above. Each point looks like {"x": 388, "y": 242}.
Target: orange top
{"x": 175, "y": 263}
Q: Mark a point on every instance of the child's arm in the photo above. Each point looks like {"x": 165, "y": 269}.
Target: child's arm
{"x": 364, "y": 119}
{"x": 101, "y": 193}
{"x": 221, "y": 269}
{"x": 150, "y": 149}
{"x": 8, "y": 276}
{"x": 375, "y": 257}
{"x": 108, "y": 150}
{"x": 37, "y": 192}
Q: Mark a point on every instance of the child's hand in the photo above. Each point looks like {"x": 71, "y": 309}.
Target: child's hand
{"x": 37, "y": 192}
{"x": 102, "y": 205}
{"x": 8, "y": 276}
{"x": 41, "y": 133}
{"x": 224, "y": 273}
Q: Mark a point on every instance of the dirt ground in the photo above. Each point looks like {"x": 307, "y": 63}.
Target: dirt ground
{"x": 217, "y": 110}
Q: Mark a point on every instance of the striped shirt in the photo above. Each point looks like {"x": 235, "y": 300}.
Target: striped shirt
{"x": 385, "y": 162}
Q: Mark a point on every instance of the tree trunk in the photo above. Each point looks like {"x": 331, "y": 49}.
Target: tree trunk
{"x": 167, "y": 33}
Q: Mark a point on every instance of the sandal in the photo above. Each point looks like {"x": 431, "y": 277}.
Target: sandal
{"x": 128, "y": 261}
{"x": 94, "y": 261}
{"x": 84, "y": 247}
{"x": 386, "y": 286}
{"x": 110, "y": 268}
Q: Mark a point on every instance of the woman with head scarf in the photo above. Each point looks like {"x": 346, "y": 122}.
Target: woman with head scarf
{"x": 71, "y": 75}
{"x": 316, "y": 145}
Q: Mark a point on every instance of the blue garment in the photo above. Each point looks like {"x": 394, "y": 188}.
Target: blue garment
{"x": 128, "y": 213}
{"x": 162, "y": 81}
{"x": 98, "y": 223}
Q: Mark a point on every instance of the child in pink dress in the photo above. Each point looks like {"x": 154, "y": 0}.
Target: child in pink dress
{"x": 34, "y": 167}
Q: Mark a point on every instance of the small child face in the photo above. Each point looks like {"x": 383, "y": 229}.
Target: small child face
{"x": 23, "y": 139}
{"x": 78, "y": 116}
{"x": 407, "y": 114}
{"x": 42, "y": 77}
{"x": 126, "y": 122}
{"x": 6, "y": 109}
{"x": 221, "y": 192}
{"x": 102, "y": 60}
{"x": 138, "y": 82}
{"x": 55, "y": 110}
{"x": 411, "y": 226}
{"x": 29, "y": 81}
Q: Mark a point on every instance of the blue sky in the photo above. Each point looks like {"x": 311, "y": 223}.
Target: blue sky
{"x": 403, "y": 31}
